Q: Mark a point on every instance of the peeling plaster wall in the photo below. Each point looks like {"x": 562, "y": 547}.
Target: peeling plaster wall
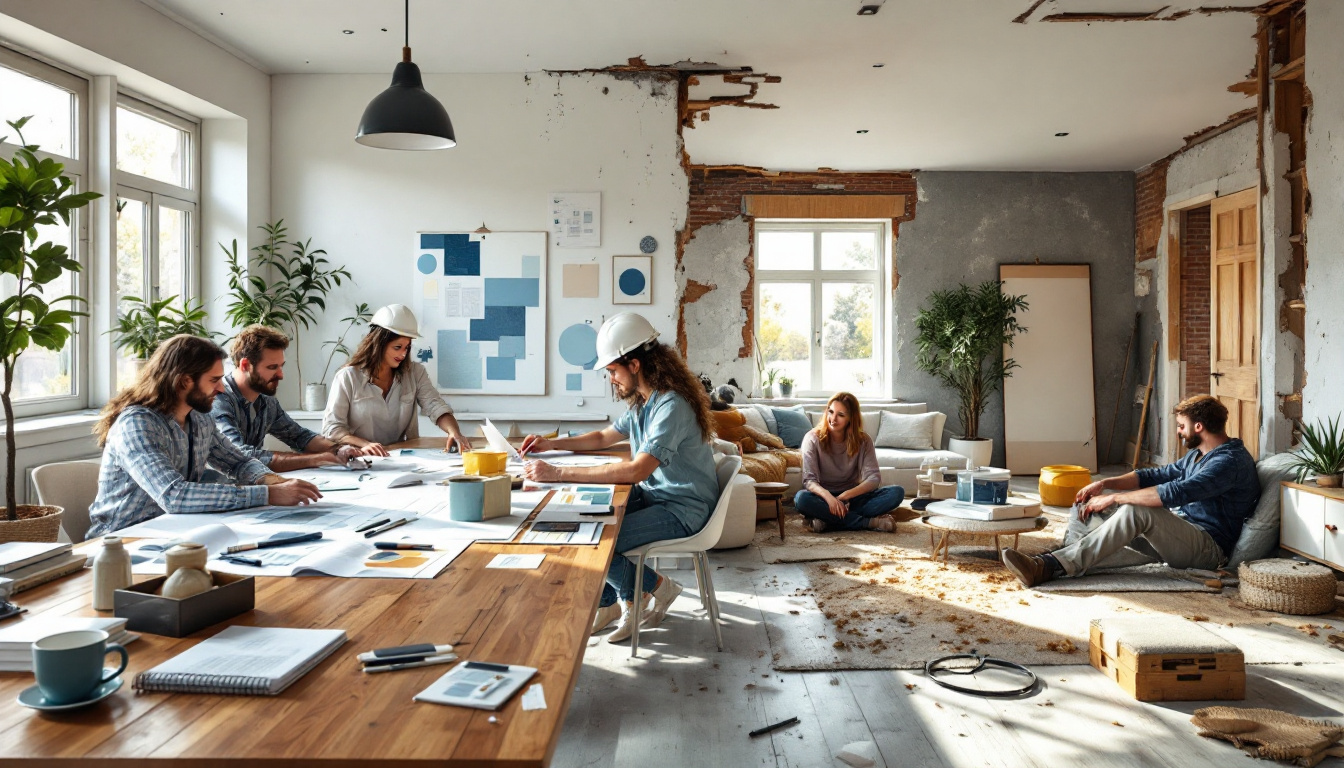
{"x": 969, "y": 223}
{"x": 1222, "y": 165}
{"x": 1324, "y": 341}
{"x": 713, "y": 265}
{"x": 521, "y": 138}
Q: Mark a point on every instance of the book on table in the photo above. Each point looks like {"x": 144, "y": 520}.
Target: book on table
{"x": 16, "y": 639}
{"x": 42, "y": 571}
{"x": 243, "y": 660}
{"x": 17, "y": 554}
{"x": 1016, "y": 508}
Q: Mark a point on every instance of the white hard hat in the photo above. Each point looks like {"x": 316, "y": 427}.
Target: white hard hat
{"x": 398, "y": 319}
{"x": 621, "y": 335}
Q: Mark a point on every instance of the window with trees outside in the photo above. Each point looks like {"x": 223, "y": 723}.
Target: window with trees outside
{"x": 47, "y": 381}
{"x": 819, "y": 304}
{"x": 156, "y": 208}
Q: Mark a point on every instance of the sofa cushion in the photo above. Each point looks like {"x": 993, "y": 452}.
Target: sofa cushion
{"x": 754, "y": 418}
{"x": 1260, "y": 535}
{"x": 907, "y": 430}
{"x": 793, "y": 425}
{"x": 899, "y": 458}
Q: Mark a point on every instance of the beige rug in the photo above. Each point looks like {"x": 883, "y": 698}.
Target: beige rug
{"x": 888, "y": 606}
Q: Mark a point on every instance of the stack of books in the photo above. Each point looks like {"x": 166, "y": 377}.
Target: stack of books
{"x": 32, "y": 563}
{"x": 17, "y": 638}
{"x": 1016, "y": 508}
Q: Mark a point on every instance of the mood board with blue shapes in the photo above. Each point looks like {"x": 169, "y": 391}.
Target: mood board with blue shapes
{"x": 481, "y": 303}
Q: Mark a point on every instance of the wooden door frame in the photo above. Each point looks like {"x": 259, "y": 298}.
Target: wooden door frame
{"x": 1216, "y": 330}
{"x": 1172, "y": 386}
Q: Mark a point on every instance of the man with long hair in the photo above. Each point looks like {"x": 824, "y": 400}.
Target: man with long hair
{"x": 247, "y": 410}
{"x": 158, "y": 436}
{"x": 671, "y": 464}
{"x": 1188, "y": 514}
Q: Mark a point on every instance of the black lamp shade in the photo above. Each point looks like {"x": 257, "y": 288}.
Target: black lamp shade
{"x": 406, "y": 116}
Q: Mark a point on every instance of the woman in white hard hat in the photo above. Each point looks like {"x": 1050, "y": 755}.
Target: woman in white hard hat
{"x": 671, "y": 464}
{"x": 377, "y": 394}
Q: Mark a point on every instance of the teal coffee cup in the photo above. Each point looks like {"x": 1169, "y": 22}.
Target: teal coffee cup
{"x": 69, "y": 665}
{"x": 466, "y": 498}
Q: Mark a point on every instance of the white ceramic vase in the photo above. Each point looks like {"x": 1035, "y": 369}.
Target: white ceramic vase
{"x": 978, "y": 451}
{"x": 315, "y": 397}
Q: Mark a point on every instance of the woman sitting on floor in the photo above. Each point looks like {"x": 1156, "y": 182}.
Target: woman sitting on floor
{"x": 842, "y": 487}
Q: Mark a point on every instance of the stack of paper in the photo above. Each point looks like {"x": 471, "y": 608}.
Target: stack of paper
{"x": 16, "y": 640}
{"x": 30, "y": 564}
{"x": 243, "y": 660}
{"x": 1015, "y": 508}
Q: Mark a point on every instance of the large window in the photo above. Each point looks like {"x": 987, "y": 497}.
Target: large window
{"x": 819, "y": 304}
{"x": 47, "y": 381}
{"x": 156, "y": 208}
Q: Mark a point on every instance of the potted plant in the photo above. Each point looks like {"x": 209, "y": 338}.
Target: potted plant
{"x": 961, "y": 336}
{"x": 33, "y": 193}
{"x": 1321, "y": 453}
{"x": 768, "y": 383}
{"x": 315, "y": 393}
{"x": 292, "y": 299}
{"x": 785, "y": 386}
{"x": 147, "y": 324}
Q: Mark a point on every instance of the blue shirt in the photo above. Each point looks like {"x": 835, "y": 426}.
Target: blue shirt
{"x": 151, "y": 467}
{"x": 685, "y": 481}
{"x": 247, "y": 424}
{"x": 1216, "y": 491}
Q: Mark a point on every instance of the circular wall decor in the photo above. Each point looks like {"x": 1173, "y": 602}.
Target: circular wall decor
{"x": 647, "y": 244}
{"x": 427, "y": 263}
{"x": 631, "y": 282}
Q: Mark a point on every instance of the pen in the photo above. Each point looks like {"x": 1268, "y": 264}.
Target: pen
{"x": 487, "y": 665}
{"x": 240, "y": 560}
{"x": 427, "y": 661}
{"x": 403, "y": 652}
{"x": 403, "y": 545}
{"x": 775, "y": 727}
{"x": 394, "y": 660}
{"x": 264, "y": 543}
{"x": 373, "y": 524}
{"x": 387, "y": 527}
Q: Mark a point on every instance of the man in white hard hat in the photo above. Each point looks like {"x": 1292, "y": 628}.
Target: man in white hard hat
{"x": 671, "y": 463}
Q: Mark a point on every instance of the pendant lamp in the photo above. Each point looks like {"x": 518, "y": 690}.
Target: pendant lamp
{"x": 406, "y": 116}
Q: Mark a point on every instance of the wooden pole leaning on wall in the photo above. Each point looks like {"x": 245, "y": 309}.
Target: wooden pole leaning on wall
{"x": 1120, "y": 393}
{"x": 1143, "y": 415}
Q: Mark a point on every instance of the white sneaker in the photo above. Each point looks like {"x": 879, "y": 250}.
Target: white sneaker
{"x": 818, "y": 525}
{"x": 623, "y": 631}
{"x": 663, "y": 596}
{"x": 606, "y": 616}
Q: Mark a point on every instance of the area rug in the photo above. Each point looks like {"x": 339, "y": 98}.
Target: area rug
{"x": 886, "y": 605}
{"x": 1156, "y": 577}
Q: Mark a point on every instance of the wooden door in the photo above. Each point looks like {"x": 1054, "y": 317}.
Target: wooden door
{"x": 1234, "y": 334}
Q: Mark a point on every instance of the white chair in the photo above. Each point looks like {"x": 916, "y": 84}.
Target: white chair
{"x": 72, "y": 485}
{"x": 696, "y": 545}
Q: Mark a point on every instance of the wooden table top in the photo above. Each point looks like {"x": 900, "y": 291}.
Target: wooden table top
{"x": 336, "y": 714}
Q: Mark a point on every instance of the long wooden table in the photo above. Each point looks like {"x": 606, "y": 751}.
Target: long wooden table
{"x": 336, "y": 715}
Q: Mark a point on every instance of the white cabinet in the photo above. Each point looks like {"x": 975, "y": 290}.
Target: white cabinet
{"x": 1312, "y": 523}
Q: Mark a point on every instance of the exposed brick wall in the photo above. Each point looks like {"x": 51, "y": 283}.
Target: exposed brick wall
{"x": 716, "y": 195}
{"x": 1150, "y": 191}
{"x": 1195, "y": 297}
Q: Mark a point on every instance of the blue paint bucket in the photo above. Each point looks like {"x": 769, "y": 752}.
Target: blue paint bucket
{"x": 466, "y": 498}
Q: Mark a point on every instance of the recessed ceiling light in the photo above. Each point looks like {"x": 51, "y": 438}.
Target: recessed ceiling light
{"x": 865, "y": 130}
{"x": 878, "y": 66}
{"x": 869, "y": 9}
{"x": 347, "y": 31}
{"x": 1062, "y": 133}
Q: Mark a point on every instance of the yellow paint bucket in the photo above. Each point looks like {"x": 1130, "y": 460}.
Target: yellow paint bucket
{"x": 484, "y": 462}
{"x": 1060, "y": 483}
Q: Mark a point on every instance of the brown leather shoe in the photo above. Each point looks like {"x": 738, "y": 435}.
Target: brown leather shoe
{"x": 1029, "y": 569}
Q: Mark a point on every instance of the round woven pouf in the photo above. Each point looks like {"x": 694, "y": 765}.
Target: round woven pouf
{"x": 1287, "y": 586}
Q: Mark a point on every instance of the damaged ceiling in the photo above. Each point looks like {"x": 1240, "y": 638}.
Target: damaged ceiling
{"x": 962, "y": 87}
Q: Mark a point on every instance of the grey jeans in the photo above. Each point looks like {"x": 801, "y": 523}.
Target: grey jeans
{"x": 1133, "y": 535}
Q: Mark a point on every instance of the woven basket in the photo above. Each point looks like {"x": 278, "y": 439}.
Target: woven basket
{"x": 1287, "y": 586}
{"x": 36, "y": 523}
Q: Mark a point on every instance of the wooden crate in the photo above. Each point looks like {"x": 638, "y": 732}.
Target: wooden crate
{"x": 1170, "y": 676}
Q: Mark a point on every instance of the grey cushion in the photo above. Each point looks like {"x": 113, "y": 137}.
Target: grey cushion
{"x": 907, "y": 430}
{"x": 1260, "y": 535}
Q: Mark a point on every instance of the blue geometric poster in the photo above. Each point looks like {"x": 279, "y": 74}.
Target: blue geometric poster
{"x": 481, "y": 302}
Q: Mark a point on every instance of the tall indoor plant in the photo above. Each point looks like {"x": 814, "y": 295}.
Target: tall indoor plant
{"x": 961, "y": 336}
{"x": 147, "y": 324}
{"x": 285, "y": 286}
{"x": 315, "y": 394}
{"x": 33, "y": 193}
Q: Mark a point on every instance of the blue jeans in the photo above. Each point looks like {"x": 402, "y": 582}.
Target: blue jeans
{"x": 861, "y": 508}
{"x": 642, "y": 525}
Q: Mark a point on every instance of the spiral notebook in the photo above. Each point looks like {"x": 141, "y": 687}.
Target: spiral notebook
{"x": 243, "y": 660}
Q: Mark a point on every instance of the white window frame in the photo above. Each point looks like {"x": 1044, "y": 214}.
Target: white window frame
{"x": 818, "y": 277}
{"x": 77, "y": 169}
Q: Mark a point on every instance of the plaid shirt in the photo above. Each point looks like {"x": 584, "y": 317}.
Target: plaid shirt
{"x": 247, "y": 424}
{"x": 152, "y": 467}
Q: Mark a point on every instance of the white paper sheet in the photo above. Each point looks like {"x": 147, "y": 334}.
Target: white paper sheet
{"x": 522, "y": 562}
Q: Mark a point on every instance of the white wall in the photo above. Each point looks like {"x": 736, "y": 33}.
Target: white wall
{"x": 520, "y": 138}
{"x": 1325, "y": 229}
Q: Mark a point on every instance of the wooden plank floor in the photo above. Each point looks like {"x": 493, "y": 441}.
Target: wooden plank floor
{"x": 685, "y": 704}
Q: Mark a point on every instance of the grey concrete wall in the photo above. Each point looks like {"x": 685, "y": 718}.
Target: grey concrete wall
{"x": 967, "y": 224}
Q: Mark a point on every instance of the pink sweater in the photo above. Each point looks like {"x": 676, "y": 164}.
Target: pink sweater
{"x": 836, "y": 471}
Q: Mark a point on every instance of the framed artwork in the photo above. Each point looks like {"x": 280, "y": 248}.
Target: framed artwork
{"x": 631, "y": 279}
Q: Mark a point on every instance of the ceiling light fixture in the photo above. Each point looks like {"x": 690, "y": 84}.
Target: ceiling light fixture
{"x": 406, "y": 116}
{"x": 1062, "y": 133}
{"x": 878, "y": 66}
{"x": 864, "y": 130}
{"x": 869, "y": 9}
{"x": 347, "y": 31}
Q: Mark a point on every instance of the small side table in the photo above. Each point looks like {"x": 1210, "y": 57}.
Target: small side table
{"x": 996, "y": 528}
{"x": 772, "y": 493}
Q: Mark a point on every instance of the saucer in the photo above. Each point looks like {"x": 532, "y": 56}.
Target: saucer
{"x": 32, "y": 697}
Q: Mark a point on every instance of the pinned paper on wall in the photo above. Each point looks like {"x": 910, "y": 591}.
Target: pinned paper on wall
{"x": 482, "y": 311}
{"x": 576, "y": 219}
{"x": 631, "y": 279}
{"x": 580, "y": 281}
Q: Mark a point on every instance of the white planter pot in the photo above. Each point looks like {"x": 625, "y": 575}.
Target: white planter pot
{"x": 979, "y": 452}
{"x": 314, "y": 397}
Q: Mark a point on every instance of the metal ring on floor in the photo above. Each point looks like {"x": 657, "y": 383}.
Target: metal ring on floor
{"x": 932, "y": 667}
